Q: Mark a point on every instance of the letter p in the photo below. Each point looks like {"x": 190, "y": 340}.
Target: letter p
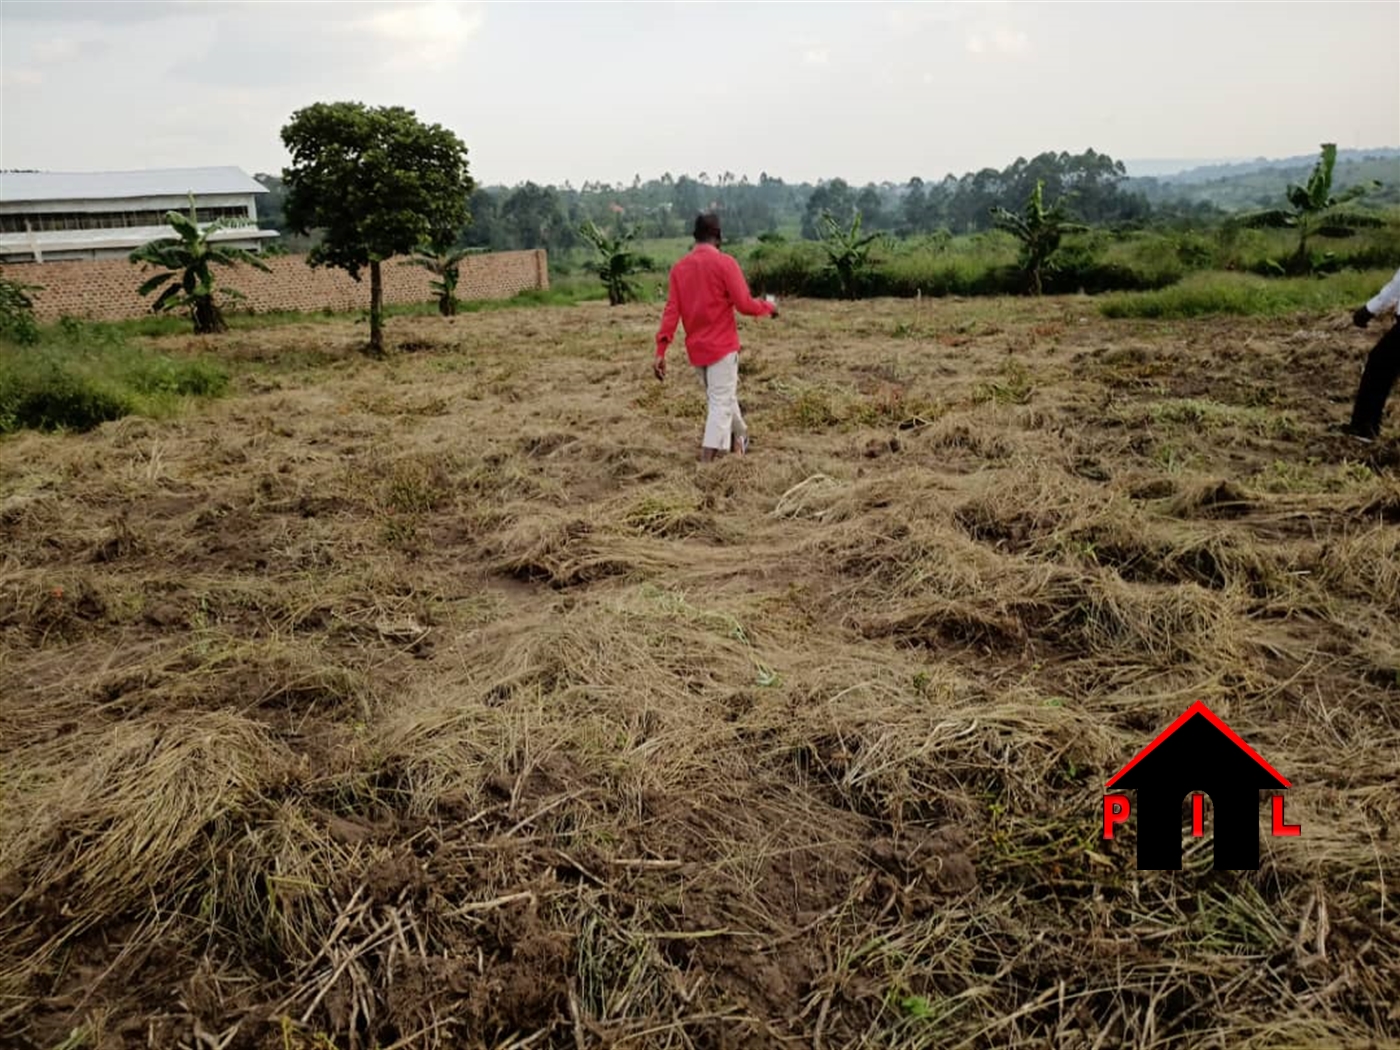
{"x": 1115, "y": 811}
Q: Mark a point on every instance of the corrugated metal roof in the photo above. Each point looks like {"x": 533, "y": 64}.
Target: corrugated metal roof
{"x": 16, "y": 187}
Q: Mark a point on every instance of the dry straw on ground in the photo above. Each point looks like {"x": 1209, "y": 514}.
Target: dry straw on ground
{"x": 444, "y": 702}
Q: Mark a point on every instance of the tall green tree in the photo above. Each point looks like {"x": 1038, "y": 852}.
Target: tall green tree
{"x": 377, "y": 182}
{"x": 486, "y": 229}
{"x": 1040, "y": 230}
{"x": 188, "y": 259}
{"x": 835, "y": 199}
{"x": 1313, "y": 211}
{"x": 534, "y": 216}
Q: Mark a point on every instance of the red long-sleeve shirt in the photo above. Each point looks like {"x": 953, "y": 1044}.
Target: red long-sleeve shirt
{"x": 707, "y": 286}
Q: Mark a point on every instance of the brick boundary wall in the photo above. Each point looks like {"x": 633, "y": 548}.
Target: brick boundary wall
{"x": 105, "y": 289}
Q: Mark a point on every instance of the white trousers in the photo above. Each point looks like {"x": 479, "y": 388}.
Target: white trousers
{"x": 724, "y": 421}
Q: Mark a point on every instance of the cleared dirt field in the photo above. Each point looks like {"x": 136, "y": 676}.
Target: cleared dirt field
{"x": 446, "y": 702}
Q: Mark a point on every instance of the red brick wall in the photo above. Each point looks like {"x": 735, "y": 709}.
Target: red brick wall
{"x": 105, "y": 289}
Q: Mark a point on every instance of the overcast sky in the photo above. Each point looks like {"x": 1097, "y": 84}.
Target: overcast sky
{"x": 580, "y": 91}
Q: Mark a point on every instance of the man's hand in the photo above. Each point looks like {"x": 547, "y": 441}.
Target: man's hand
{"x": 1362, "y": 317}
{"x": 658, "y": 367}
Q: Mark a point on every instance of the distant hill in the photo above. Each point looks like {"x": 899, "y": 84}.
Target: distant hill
{"x": 1213, "y": 171}
{"x": 1161, "y": 167}
{"x": 1239, "y": 185}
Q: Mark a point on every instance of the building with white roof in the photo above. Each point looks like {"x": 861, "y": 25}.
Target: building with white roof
{"x": 49, "y": 216}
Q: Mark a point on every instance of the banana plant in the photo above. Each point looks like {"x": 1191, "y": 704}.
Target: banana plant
{"x": 617, "y": 261}
{"x": 446, "y": 264}
{"x": 847, "y": 252}
{"x": 1040, "y": 230}
{"x": 188, "y": 258}
{"x": 1313, "y": 211}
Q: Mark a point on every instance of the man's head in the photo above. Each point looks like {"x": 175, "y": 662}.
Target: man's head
{"x": 707, "y": 229}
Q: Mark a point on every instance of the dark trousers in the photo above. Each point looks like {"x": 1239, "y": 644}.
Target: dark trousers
{"x": 1376, "y": 381}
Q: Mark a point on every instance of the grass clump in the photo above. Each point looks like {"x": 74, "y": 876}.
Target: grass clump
{"x": 1245, "y": 295}
{"x": 1016, "y": 386}
{"x": 1206, "y": 414}
{"x": 80, "y": 386}
{"x": 44, "y": 393}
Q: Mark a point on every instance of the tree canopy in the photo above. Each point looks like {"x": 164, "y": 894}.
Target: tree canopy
{"x": 538, "y": 215}
{"x": 376, "y": 182}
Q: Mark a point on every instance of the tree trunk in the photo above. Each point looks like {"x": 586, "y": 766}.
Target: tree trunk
{"x": 376, "y": 310}
{"x": 1301, "y": 263}
{"x": 208, "y": 318}
{"x": 449, "y": 284}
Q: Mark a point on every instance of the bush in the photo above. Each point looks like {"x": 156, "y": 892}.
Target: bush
{"x": 790, "y": 269}
{"x": 1245, "y": 295}
{"x": 17, "y": 312}
{"x": 983, "y": 264}
{"x": 155, "y": 374}
{"x": 78, "y": 385}
{"x": 1096, "y": 262}
{"x": 44, "y": 394}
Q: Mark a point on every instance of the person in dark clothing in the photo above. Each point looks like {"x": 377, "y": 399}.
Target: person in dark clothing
{"x": 1382, "y": 366}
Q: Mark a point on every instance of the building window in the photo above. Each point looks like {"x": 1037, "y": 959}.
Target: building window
{"x": 45, "y": 222}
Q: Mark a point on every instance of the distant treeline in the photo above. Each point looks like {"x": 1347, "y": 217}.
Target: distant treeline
{"x": 1097, "y": 188}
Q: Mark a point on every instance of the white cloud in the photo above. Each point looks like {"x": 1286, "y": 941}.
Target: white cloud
{"x": 60, "y": 49}
{"x": 921, "y": 15}
{"x": 816, "y": 56}
{"x": 424, "y": 34}
{"x": 998, "y": 40}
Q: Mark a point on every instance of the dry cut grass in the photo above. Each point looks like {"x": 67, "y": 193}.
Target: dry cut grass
{"x": 444, "y": 702}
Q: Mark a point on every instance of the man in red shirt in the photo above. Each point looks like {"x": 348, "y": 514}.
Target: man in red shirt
{"x": 707, "y": 286}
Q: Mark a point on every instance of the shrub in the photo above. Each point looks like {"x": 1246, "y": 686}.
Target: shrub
{"x": 17, "y": 312}
{"x": 43, "y": 394}
{"x": 94, "y": 379}
{"x": 1245, "y": 295}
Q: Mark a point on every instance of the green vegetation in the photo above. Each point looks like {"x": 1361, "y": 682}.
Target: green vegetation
{"x": 847, "y": 253}
{"x": 953, "y": 236}
{"x": 80, "y": 376}
{"x": 1039, "y": 230}
{"x": 616, "y": 262}
{"x": 445, "y": 263}
{"x": 188, "y": 259}
{"x": 377, "y": 183}
{"x": 1095, "y": 261}
{"x": 17, "y": 323}
{"x": 1246, "y": 295}
{"x": 1224, "y": 188}
{"x": 1314, "y": 211}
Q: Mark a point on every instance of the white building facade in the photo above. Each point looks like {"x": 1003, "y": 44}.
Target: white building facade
{"x": 53, "y": 216}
